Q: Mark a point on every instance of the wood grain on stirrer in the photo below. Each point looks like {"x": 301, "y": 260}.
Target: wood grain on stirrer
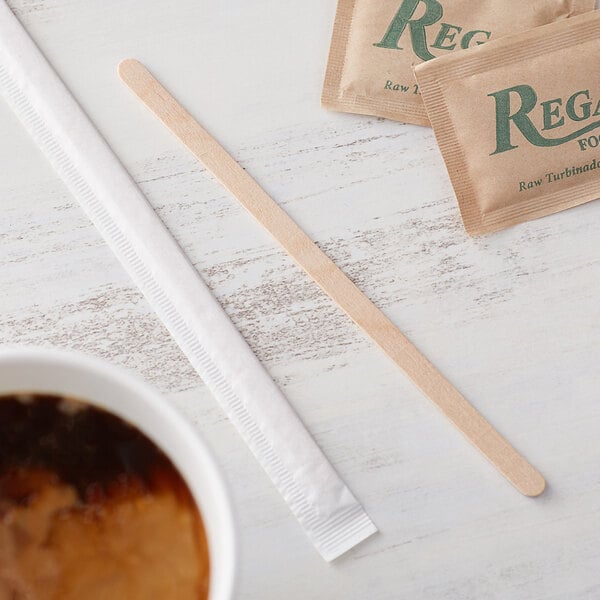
{"x": 332, "y": 280}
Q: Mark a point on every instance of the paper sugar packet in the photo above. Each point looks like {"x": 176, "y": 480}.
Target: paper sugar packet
{"x": 376, "y": 44}
{"x": 326, "y": 509}
{"x": 518, "y": 122}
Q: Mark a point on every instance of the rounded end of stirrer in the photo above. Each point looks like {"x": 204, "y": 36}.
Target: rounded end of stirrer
{"x": 127, "y": 67}
{"x": 534, "y": 486}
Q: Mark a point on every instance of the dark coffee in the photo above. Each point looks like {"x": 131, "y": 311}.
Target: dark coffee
{"x": 91, "y": 508}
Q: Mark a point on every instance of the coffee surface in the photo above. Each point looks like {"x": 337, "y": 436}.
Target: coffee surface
{"x": 91, "y": 508}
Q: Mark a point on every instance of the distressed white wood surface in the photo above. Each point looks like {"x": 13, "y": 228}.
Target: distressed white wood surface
{"x": 513, "y": 319}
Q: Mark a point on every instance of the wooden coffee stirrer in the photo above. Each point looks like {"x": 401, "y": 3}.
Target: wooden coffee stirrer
{"x": 332, "y": 280}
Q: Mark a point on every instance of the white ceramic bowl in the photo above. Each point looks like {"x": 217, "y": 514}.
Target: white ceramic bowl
{"x": 103, "y": 385}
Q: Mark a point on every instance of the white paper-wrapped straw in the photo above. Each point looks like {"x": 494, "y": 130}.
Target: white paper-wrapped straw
{"x": 324, "y": 506}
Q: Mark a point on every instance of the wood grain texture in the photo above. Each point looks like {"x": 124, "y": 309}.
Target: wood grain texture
{"x": 513, "y": 316}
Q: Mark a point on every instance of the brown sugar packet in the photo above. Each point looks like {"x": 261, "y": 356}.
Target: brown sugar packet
{"x": 376, "y": 43}
{"x": 518, "y": 122}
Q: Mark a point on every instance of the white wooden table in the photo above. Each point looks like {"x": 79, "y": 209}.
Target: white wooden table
{"x": 513, "y": 319}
